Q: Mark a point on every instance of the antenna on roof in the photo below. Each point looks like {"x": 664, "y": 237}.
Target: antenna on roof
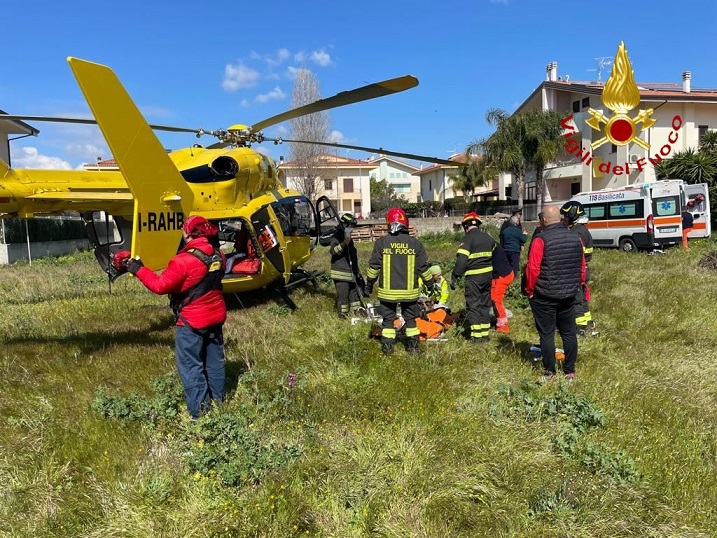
{"x": 603, "y": 62}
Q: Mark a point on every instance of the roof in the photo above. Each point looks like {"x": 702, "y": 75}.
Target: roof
{"x": 17, "y": 127}
{"x": 459, "y": 158}
{"x": 649, "y": 91}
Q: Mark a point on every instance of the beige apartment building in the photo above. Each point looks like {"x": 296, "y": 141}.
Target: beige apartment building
{"x": 683, "y": 115}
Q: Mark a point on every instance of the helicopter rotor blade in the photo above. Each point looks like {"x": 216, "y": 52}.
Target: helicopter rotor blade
{"x": 378, "y": 89}
{"x": 87, "y": 121}
{"x": 411, "y": 156}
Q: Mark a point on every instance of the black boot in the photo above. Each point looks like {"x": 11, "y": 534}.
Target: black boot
{"x": 387, "y": 347}
{"x": 412, "y": 345}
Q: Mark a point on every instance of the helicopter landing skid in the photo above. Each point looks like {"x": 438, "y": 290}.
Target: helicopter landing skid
{"x": 298, "y": 277}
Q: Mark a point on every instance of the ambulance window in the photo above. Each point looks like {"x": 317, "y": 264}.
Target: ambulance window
{"x": 595, "y": 212}
{"x": 626, "y": 210}
{"x": 665, "y": 207}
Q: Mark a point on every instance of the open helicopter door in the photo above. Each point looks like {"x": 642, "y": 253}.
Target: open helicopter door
{"x": 271, "y": 240}
{"x": 327, "y": 218}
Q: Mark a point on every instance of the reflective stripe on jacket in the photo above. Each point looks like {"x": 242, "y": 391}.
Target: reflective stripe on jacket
{"x": 475, "y": 255}
{"x": 397, "y": 261}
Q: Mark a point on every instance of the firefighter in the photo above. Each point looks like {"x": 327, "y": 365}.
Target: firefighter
{"x": 575, "y": 218}
{"x": 474, "y": 260}
{"x": 344, "y": 267}
{"x": 397, "y": 261}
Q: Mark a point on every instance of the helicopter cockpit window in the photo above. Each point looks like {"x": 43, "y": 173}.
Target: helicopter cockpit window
{"x": 295, "y": 215}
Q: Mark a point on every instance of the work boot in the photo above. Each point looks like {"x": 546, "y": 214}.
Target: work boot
{"x": 387, "y": 348}
{"x": 480, "y": 339}
{"x": 412, "y": 346}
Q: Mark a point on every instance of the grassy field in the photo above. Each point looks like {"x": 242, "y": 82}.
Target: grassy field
{"x": 321, "y": 435}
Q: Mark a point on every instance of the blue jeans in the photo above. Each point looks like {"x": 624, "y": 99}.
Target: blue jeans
{"x": 200, "y": 361}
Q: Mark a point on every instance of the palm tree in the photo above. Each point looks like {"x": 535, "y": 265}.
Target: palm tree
{"x": 692, "y": 166}
{"x": 476, "y": 173}
{"x": 544, "y": 140}
{"x": 505, "y": 148}
{"x": 522, "y": 141}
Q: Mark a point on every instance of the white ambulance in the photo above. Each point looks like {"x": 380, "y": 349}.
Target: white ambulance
{"x": 645, "y": 216}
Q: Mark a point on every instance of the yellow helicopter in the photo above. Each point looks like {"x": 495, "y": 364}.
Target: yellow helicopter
{"x": 153, "y": 191}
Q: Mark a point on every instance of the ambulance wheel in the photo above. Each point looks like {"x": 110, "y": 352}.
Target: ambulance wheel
{"x": 627, "y": 245}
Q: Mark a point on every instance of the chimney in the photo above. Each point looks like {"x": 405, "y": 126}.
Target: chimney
{"x": 686, "y": 79}
{"x": 554, "y": 71}
{"x": 547, "y": 71}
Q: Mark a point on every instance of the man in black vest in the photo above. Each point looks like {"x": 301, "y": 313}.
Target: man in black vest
{"x": 554, "y": 274}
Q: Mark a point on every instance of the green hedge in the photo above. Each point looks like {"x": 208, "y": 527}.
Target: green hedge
{"x": 43, "y": 229}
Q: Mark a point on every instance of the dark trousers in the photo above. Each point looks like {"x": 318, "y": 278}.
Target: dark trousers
{"x": 200, "y": 361}
{"x": 550, "y": 314}
{"x": 514, "y": 260}
{"x": 582, "y": 307}
{"x": 479, "y": 304}
{"x": 409, "y": 310}
{"x": 347, "y": 297}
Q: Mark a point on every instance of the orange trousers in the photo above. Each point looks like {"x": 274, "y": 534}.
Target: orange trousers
{"x": 685, "y": 231}
{"x": 497, "y": 292}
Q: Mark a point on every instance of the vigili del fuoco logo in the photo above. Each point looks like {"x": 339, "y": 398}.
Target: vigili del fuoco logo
{"x": 620, "y": 94}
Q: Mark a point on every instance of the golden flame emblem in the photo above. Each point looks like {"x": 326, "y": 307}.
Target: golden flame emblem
{"x": 621, "y": 95}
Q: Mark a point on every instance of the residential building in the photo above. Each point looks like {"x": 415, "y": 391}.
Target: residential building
{"x": 683, "y": 115}
{"x": 12, "y": 127}
{"x": 436, "y": 183}
{"x": 347, "y": 181}
{"x": 344, "y": 181}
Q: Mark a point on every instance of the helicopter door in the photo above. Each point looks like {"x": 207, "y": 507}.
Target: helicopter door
{"x": 271, "y": 240}
{"x": 327, "y": 217}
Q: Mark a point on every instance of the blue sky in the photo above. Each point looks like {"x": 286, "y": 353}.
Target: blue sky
{"x": 212, "y": 64}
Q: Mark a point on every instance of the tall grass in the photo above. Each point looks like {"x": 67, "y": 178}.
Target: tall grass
{"x": 321, "y": 435}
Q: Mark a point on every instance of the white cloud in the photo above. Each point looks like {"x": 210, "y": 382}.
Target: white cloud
{"x": 337, "y": 137}
{"x": 504, "y": 2}
{"x": 272, "y": 60}
{"x": 282, "y": 130}
{"x": 263, "y": 150}
{"x": 155, "y": 112}
{"x": 294, "y": 71}
{"x": 87, "y": 151}
{"x": 321, "y": 57}
{"x": 31, "y": 158}
{"x": 300, "y": 57}
{"x": 273, "y": 95}
{"x": 244, "y": 103}
{"x": 237, "y": 76}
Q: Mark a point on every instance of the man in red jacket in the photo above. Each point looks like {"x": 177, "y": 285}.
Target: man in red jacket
{"x": 193, "y": 280}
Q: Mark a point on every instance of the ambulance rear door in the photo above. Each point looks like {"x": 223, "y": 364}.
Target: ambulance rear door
{"x": 666, "y": 213}
{"x": 697, "y": 199}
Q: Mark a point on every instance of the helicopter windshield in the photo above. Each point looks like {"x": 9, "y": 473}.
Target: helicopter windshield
{"x": 295, "y": 214}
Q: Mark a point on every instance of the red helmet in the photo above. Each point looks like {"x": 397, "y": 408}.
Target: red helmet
{"x": 198, "y": 226}
{"x": 396, "y": 219}
{"x": 471, "y": 219}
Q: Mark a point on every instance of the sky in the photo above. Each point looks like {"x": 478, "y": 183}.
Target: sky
{"x": 213, "y": 64}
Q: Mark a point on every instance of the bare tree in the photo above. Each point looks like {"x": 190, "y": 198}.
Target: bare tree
{"x": 306, "y": 158}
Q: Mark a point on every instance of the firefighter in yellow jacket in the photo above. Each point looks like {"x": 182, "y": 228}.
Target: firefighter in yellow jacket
{"x": 397, "y": 261}
{"x": 474, "y": 260}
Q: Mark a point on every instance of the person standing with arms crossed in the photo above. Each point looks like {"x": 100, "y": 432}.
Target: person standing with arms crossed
{"x": 553, "y": 276}
{"x": 474, "y": 260}
{"x": 193, "y": 280}
{"x": 397, "y": 261}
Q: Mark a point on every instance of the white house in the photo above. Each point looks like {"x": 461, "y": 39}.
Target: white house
{"x": 12, "y": 127}
{"x": 437, "y": 183}
{"x": 683, "y": 115}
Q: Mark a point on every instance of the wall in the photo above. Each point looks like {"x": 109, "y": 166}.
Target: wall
{"x": 16, "y": 252}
